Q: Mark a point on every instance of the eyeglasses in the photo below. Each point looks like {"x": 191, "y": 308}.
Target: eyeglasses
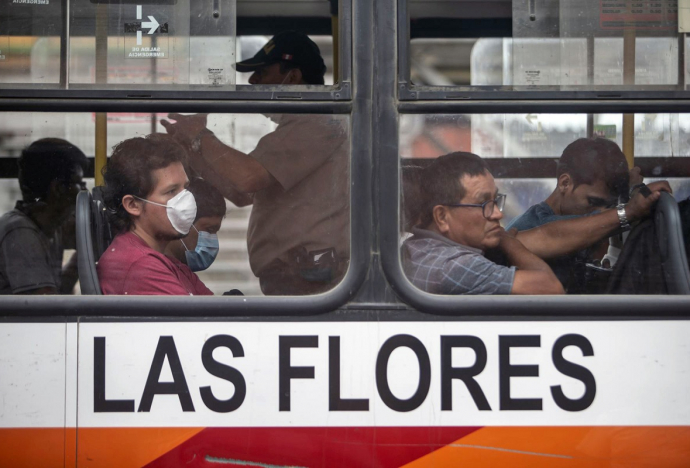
{"x": 487, "y": 207}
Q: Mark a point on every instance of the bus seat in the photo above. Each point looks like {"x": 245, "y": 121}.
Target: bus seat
{"x": 89, "y": 244}
{"x": 671, "y": 245}
{"x": 102, "y": 234}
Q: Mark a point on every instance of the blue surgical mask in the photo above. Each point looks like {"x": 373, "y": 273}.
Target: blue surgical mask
{"x": 205, "y": 252}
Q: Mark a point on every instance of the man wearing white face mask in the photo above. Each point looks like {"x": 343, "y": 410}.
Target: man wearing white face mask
{"x": 296, "y": 179}
{"x": 145, "y": 192}
{"x": 200, "y": 247}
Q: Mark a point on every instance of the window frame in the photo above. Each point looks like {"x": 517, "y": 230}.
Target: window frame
{"x": 358, "y": 108}
{"x": 408, "y": 91}
{"x": 394, "y": 101}
{"x": 341, "y": 91}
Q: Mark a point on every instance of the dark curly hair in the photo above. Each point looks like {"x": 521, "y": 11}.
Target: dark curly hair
{"x": 590, "y": 159}
{"x": 130, "y": 168}
{"x": 47, "y": 160}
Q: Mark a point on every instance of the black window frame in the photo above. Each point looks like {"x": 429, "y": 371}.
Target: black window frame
{"x": 356, "y": 105}
{"x": 408, "y": 91}
{"x": 398, "y": 97}
{"x": 340, "y": 91}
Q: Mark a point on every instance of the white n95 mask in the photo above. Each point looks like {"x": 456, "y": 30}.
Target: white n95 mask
{"x": 181, "y": 210}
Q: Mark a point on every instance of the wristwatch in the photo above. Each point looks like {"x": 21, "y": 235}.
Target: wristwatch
{"x": 196, "y": 142}
{"x": 622, "y": 217}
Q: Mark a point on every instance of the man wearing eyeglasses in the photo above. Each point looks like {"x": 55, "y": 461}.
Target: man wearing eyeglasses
{"x": 460, "y": 220}
{"x": 584, "y": 208}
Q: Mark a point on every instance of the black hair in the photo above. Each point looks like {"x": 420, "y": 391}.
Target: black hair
{"x": 47, "y": 160}
{"x": 309, "y": 74}
{"x": 130, "y": 171}
{"x": 440, "y": 181}
{"x": 587, "y": 160}
{"x": 209, "y": 201}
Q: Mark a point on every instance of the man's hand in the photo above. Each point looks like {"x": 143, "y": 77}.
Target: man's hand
{"x": 635, "y": 175}
{"x": 640, "y": 206}
{"x": 186, "y": 128}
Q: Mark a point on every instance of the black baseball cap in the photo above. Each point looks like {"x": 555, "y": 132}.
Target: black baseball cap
{"x": 290, "y": 46}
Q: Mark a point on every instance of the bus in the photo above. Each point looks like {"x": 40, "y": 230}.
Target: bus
{"x": 375, "y": 371}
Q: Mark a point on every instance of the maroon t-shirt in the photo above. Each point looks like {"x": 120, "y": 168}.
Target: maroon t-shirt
{"x": 130, "y": 267}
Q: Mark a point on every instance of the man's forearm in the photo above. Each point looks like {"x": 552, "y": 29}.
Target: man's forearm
{"x": 519, "y": 256}
{"x": 567, "y": 236}
{"x": 241, "y": 171}
{"x": 534, "y": 276}
{"x": 213, "y": 178}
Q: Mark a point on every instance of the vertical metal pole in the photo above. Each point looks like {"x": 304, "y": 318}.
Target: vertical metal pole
{"x": 590, "y": 81}
{"x": 681, "y": 61}
{"x": 629, "y": 80}
{"x": 64, "y": 46}
{"x": 154, "y": 78}
{"x": 335, "y": 33}
{"x": 101, "y": 78}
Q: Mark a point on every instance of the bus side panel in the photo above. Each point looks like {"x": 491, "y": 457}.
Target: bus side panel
{"x": 387, "y": 394}
{"x": 33, "y": 420}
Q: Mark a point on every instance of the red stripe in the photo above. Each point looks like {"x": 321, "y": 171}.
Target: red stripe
{"x": 332, "y": 447}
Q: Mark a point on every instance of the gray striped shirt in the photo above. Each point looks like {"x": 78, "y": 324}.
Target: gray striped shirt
{"x": 438, "y": 265}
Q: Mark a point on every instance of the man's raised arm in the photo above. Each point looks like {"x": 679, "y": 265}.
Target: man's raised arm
{"x": 241, "y": 171}
{"x": 567, "y": 236}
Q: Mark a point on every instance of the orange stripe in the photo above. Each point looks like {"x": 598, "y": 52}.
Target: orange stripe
{"x": 70, "y": 447}
{"x": 128, "y": 447}
{"x": 571, "y": 447}
{"x": 30, "y": 448}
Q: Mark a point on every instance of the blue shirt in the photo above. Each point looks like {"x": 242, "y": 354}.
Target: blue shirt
{"x": 438, "y": 265}
{"x": 563, "y": 267}
{"x": 536, "y": 215}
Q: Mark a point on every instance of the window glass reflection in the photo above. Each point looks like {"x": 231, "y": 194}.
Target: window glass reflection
{"x": 218, "y": 204}
{"x": 577, "y": 204}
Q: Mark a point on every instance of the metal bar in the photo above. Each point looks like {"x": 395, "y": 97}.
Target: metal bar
{"x": 147, "y": 105}
{"x": 590, "y": 81}
{"x": 590, "y": 125}
{"x": 629, "y": 80}
{"x": 101, "y": 131}
{"x": 467, "y": 93}
{"x": 403, "y": 44}
{"x": 629, "y": 138}
{"x": 65, "y": 45}
{"x": 361, "y": 185}
{"x": 243, "y": 308}
{"x": 681, "y": 61}
{"x": 501, "y": 168}
{"x": 101, "y": 158}
{"x": 545, "y": 107}
{"x": 345, "y": 39}
{"x": 244, "y": 93}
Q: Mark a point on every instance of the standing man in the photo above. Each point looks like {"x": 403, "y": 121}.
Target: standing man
{"x": 31, "y": 235}
{"x": 297, "y": 178}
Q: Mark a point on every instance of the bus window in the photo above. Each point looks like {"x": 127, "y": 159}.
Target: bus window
{"x": 540, "y": 45}
{"x": 165, "y": 46}
{"x": 30, "y": 42}
{"x": 562, "y": 184}
{"x": 282, "y": 182}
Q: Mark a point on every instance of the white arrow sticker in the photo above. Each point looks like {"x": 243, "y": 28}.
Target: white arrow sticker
{"x": 152, "y": 24}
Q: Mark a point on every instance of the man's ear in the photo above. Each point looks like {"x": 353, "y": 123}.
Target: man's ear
{"x": 132, "y": 205}
{"x": 295, "y": 76}
{"x": 441, "y": 214}
{"x": 565, "y": 182}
